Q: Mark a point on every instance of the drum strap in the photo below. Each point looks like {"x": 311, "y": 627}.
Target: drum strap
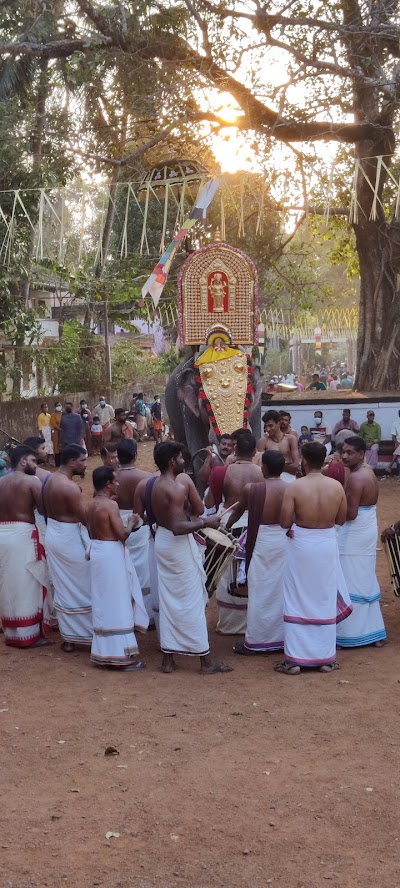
{"x": 147, "y": 504}
{"x": 256, "y": 501}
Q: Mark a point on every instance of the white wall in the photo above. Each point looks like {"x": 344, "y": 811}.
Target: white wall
{"x": 303, "y": 414}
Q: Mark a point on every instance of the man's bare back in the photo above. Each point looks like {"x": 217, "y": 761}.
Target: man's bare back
{"x": 104, "y": 521}
{"x": 129, "y": 477}
{"x": 20, "y": 494}
{"x": 237, "y": 476}
{"x": 361, "y": 490}
{"x": 62, "y": 500}
{"x": 314, "y": 502}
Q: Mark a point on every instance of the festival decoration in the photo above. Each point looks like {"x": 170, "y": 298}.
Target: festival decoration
{"x": 218, "y": 283}
{"x": 158, "y": 278}
{"x": 225, "y": 379}
{"x": 172, "y": 180}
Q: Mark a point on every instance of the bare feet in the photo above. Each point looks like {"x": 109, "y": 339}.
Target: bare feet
{"x": 380, "y": 644}
{"x": 215, "y": 666}
{"x": 168, "y": 664}
{"x": 68, "y": 647}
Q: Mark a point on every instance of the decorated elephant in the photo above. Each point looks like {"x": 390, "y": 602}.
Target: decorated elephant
{"x": 189, "y": 413}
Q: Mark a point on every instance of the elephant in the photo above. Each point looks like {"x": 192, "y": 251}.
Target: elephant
{"x": 188, "y": 418}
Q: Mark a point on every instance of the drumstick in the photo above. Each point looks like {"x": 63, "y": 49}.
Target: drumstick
{"x": 233, "y": 506}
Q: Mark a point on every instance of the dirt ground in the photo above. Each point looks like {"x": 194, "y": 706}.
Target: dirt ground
{"x": 226, "y": 780}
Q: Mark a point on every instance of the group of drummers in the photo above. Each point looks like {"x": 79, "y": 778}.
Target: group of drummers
{"x": 291, "y": 559}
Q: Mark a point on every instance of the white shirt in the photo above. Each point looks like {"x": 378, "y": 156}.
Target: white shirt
{"x": 319, "y": 433}
{"x": 334, "y": 384}
{"x": 395, "y": 430}
{"x": 106, "y": 414}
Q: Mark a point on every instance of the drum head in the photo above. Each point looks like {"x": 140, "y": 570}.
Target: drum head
{"x": 218, "y": 538}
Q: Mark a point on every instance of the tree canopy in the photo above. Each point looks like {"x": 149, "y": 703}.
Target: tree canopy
{"x": 107, "y": 84}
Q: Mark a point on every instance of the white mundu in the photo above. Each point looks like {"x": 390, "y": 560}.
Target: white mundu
{"x": 357, "y": 548}
{"x": 138, "y": 545}
{"x": 66, "y": 545}
{"x": 182, "y": 594}
{"x": 117, "y": 604}
{"x": 265, "y": 575}
{"x": 23, "y": 583}
{"x": 232, "y": 609}
{"x": 315, "y": 597}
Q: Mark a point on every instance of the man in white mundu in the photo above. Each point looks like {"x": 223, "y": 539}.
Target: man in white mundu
{"x": 232, "y": 609}
{"x": 357, "y": 548}
{"x": 181, "y": 578}
{"x": 266, "y": 549}
{"x": 23, "y": 575}
{"x": 117, "y": 601}
{"x": 67, "y": 542}
{"x": 138, "y": 542}
{"x": 314, "y": 590}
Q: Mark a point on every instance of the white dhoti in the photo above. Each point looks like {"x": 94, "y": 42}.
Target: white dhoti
{"x": 70, "y": 574}
{"x": 138, "y": 548}
{"x": 155, "y": 598}
{"x": 357, "y": 548}
{"x": 182, "y": 594}
{"x": 315, "y": 597}
{"x": 49, "y": 613}
{"x": 232, "y": 609}
{"x": 23, "y": 583}
{"x": 117, "y": 604}
{"x": 265, "y": 630}
{"x": 46, "y": 432}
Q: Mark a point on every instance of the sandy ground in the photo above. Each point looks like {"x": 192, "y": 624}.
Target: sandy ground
{"x": 247, "y": 778}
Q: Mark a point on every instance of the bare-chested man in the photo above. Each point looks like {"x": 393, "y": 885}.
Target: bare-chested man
{"x": 315, "y": 595}
{"x": 67, "y": 542}
{"x": 216, "y": 456}
{"x": 275, "y": 439}
{"x": 266, "y": 547}
{"x": 117, "y": 603}
{"x": 357, "y": 547}
{"x": 285, "y": 422}
{"x": 183, "y": 596}
{"x": 38, "y": 445}
{"x": 129, "y": 476}
{"x": 120, "y": 429}
{"x": 232, "y": 608}
{"x": 21, "y": 586}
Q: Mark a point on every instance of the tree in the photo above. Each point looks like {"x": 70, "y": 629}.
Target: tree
{"x": 342, "y": 56}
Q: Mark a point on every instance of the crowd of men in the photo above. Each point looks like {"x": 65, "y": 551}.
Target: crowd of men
{"x": 95, "y": 427}
{"x": 302, "y": 581}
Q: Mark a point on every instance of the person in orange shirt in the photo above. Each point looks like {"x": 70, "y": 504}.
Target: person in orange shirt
{"x": 55, "y": 422}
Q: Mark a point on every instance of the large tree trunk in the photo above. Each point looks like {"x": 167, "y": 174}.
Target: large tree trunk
{"x": 378, "y": 342}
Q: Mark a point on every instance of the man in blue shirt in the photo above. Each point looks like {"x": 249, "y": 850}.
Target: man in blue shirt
{"x": 71, "y": 428}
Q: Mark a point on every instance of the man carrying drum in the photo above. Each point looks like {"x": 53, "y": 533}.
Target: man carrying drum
{"x": 181, "y": 578}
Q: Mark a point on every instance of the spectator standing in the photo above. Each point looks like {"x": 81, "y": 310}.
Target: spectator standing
{"x": 71, "y": 428}
{"x": 141, "y": 422}
{"x": 156, "y": 414}
{"x": 96, "y": 434}
{"x": 371, "y": 433}
{"x": 105, "y": 412}
{"x": 347, "y": 381}
{"x": 316, "y": 384}
{"x": 55, "y": 423}
{"x": 45, "y": 427}
{"x": 395, "y": 433}
{"x": 87, "y": 420}
{"x": 334, "y": 383}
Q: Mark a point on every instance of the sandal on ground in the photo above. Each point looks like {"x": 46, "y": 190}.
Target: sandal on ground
{"x": 329, "y": 667}
{"x": 287, "y": 669}
{"x": 240, "y": 648}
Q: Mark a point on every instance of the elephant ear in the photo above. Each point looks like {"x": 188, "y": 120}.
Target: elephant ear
{"x": 188, "y": 391}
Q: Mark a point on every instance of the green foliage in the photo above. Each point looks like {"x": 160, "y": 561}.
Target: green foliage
{"x": 77, "y": 362}
{"x": 131, "y": 365}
